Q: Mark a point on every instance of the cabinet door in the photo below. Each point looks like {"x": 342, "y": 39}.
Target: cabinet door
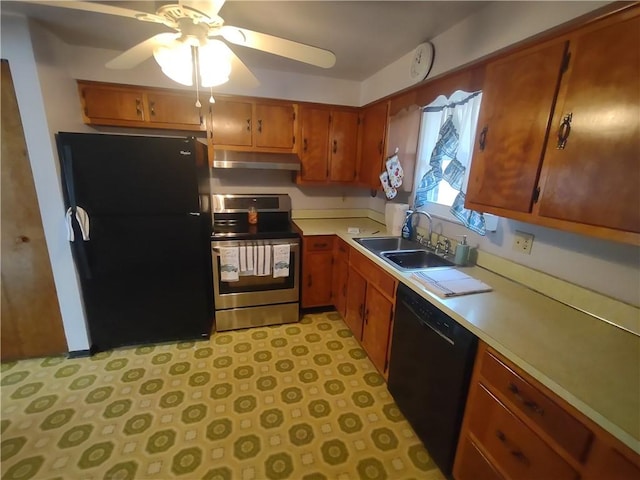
{"x": 314, "y": 150}
{"x": 373, "y": 129}
{"x": 274, "y": 126}
{"x": 343, "y": 145}
{"x": 356, "y": 291}
{"x": 517, "y": 102}
{"x": 377, "y": 327}
{"x": 231, "y": 123}
{"x": 112, "y": 104}
{"x": 176, "y": 109}
{"x": 317, "y": 273}
{"x": 595, "y": 178}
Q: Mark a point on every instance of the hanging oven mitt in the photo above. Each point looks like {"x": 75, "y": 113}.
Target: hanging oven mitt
{"x": 394, "y": 170}
{"x": 389, "y": 191}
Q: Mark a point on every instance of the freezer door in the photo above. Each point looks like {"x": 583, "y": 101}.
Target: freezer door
{"x": 129, "y": 175}
{"x": 146, "y": 280}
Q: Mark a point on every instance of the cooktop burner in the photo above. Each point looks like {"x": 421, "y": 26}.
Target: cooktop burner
{"x": 231, "y": 217}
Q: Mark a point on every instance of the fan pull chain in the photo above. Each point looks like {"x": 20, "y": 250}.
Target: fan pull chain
{"x": 196, "y": 72}
{"x": 211, "y": 99}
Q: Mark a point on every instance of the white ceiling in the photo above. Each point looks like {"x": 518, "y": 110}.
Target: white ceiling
{"x": 365, "y": 35}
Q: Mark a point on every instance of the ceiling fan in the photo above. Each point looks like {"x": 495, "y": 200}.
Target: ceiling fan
{"x": 197, "y": 41}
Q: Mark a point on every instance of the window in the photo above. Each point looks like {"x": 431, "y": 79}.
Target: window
{"x": 445, "y": 146}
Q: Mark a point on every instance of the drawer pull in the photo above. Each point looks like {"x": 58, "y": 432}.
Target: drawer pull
{"x": 531, "y": 405}
{"x": 320, "y": 245}
{"x": 515, "y": 452}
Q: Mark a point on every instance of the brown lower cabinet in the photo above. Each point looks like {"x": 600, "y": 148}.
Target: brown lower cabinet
{"x": 317, "y": 270}
{"x": 370, "y": 307}
{"x": 514, "y": 428}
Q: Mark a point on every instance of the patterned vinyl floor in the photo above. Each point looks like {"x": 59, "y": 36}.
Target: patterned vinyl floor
{"x": 298, "y": 401}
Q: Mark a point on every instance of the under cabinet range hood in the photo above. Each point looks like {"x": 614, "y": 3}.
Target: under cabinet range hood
{"x": 256, "y": 160}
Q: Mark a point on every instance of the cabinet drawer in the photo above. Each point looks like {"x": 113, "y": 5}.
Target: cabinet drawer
{"x": 471, "y": 464}
{"x": 510, "y": 444}
{"x": 318, "y": 243}
{"x": 374, "y": 274}
{"x": 525, "y": 399}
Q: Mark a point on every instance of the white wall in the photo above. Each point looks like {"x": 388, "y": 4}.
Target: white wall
{"x": 88, "y": 64}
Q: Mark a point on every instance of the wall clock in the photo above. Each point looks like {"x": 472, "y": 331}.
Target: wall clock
{"x": 422, "y": 61}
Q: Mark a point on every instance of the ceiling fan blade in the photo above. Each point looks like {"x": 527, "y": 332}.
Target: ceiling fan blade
{"x": 210, "y": 8}
{"x": 101, "y": 8}
{"x": 279, "y": 46}
{"x": 140, "y": 52}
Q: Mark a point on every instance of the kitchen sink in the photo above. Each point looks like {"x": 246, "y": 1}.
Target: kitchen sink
{"x": 415, "y": 259}
{"x": 382, "y": 244}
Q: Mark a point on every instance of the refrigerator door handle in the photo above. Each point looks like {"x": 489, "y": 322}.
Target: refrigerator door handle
{"x": 195, "y": 214}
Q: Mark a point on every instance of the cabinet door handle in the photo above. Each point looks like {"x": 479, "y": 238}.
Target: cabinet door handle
{"x": 380, "y": 147}
{"x": 335, "y": 146}
{"x": 514, "y": 450}
{"x": 360, "y": 308}
{"x": 530, "y": 404}
{"x": 366, "y": 316}
{"x": 304, "y": 144}
{"x": 248, "y": 124}
{"x": 152, "y": 108}
{"x": 482, "y": 141}
{"x": 259, "y": 126}
{"x": 564, "y": 131}
{"x": 320, "y": 245}
{"x": 138, "y": 107}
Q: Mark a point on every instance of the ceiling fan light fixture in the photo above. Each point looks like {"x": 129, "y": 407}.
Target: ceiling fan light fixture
{"x": 214, "y": 62}
{"x": 175, "y": 61}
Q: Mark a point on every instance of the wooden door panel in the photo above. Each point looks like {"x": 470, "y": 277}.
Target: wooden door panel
{"x": 343, "y": 145}
{"x": 516, "y": 110}
{"x": 314, "y": 151}
{"x": 595, "y": 179}
{"x": 274, "y": 126}
{"x": 356, "y": 291}
{"x": 113, "y": 104}
{"x": 174, "y": 108}
{"x": 375, "y": 336}
{"x": 231, "y": 123}
{"x": 31, "y": 321}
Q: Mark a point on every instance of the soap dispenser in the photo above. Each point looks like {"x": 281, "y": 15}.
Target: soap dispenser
{"x": 462, "y": 252}
{"x": 407, "y": 228}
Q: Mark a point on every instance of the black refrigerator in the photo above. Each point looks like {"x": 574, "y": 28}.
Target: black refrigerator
{"x": 145, "y": 270}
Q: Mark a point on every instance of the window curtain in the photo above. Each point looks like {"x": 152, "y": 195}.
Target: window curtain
{"x": 447, "y": 130}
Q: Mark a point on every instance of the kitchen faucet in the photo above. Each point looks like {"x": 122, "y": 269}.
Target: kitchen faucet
{"x": 420, "y": 212}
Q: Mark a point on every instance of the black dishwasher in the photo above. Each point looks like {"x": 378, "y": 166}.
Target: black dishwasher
{"x": 431, "y": 362}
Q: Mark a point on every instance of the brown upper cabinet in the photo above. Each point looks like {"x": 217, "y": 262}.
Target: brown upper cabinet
{"x": 372, "y": 143}
{"x": 252, "y": 124}
{"x": 131, "y": 106}
{"x": 329, "y": 144}
{"x": 558, "y": 139}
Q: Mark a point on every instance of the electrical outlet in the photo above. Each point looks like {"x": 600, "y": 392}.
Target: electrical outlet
{"x": 522, "y": 242}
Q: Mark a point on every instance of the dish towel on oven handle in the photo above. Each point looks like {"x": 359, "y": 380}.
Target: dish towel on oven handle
{"x": 264, "y": 260}
{"x": 247, "y": 266}
{"x": 229, "y": 264}
{"x": 281, "y": 255}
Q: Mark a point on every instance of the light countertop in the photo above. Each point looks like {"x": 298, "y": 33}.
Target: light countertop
{"x": 591, "y": 364}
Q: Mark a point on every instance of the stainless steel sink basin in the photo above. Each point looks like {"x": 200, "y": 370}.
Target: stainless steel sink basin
{"x": 415, "y": 259}
{"x": 382, "y": 244}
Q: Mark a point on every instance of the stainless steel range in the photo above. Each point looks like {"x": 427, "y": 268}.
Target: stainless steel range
{"x": 256, "y": 266}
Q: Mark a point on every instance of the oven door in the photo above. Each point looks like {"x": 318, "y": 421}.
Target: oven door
{"x": 253, "y": 290}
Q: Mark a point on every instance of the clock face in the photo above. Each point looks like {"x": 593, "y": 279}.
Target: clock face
{"x": 422, "y": 61}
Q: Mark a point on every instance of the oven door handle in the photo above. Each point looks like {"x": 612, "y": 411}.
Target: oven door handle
{"x": 291, "y": 245}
